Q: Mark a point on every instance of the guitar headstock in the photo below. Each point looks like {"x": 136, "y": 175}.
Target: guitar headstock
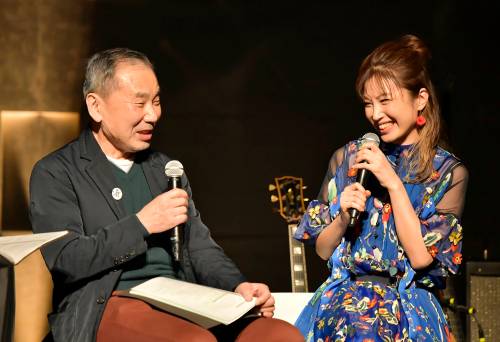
{"x": 288, "y": 197}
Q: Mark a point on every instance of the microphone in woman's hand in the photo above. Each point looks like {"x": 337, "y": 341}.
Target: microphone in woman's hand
{"x": 363, "y": 174}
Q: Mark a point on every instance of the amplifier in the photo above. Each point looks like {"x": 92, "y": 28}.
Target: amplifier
{"x": 483, "y": 294}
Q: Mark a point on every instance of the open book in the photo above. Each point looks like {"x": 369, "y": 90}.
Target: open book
{"x": 13, "y": 249}
{"x": 203, "y": 305}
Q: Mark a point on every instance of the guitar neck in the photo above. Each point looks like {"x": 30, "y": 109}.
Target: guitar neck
{"x": 297, "y": 262}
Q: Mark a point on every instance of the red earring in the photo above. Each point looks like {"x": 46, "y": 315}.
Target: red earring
{"x": 421, "y": 121}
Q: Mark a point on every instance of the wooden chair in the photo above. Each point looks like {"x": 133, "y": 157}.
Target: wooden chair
{"x": 33, "y": 289}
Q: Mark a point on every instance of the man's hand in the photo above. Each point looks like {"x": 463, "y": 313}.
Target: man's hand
{"x": 263, "y": 298}
{"x": 165, "y": 211}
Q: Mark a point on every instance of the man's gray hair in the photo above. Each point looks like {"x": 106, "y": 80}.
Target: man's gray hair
{"x": 101, "y": 68}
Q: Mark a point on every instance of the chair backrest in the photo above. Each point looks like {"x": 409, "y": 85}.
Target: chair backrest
{"x": 6, "y": 301}
{"x": 33, "y": 287}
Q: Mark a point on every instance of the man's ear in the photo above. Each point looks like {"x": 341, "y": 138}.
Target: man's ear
{"x": 422, "y": 98}
{"x": 94, "y": 106}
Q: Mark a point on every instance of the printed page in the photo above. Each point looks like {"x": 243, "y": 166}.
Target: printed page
{"x": 16, "y": 248}
{"x": 203, "y": 305}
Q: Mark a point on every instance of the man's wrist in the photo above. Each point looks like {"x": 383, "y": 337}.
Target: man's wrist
{"x": 146, "y": 232}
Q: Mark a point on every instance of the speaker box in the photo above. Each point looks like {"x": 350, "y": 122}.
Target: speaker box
{"x": 483, "y": 293}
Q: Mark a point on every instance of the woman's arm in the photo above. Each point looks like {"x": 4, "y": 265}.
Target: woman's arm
{"x": 353, "y": 196}
{"x": 406, "y": 221}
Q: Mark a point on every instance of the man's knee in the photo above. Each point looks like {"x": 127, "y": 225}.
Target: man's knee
{"x": 196, "y": 336}
{"x": 269, "y": 330}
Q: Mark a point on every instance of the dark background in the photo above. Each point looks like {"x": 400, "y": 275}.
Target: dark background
{"x": 259, "y": 89}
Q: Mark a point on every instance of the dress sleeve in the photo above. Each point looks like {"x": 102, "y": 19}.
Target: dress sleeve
{"x": 440, "y": 222}
{"x": 320, "y": 211}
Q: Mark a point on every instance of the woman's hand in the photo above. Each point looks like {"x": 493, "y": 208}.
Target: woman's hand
{"x": 371, "y": 158}
{"x": 353, "y": 196}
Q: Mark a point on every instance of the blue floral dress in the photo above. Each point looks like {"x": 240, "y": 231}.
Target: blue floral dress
{"x": 404, "y": 309}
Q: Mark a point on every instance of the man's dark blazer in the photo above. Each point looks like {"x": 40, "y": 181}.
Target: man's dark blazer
{"x": 71, "y": 189}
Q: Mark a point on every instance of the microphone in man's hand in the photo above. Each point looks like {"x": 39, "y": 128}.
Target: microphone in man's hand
{"x": 362, "y": 175}
{"x": 174, "y": 171}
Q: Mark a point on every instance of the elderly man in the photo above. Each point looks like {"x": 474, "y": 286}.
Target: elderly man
{"x": 110, "y": 191}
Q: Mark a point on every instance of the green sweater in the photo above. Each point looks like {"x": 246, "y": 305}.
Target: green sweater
{"x": 157, "y": 261}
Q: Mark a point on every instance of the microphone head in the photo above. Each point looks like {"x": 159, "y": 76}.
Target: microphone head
{"x": 371, "y": 138}
{"x": 174, "y": 168}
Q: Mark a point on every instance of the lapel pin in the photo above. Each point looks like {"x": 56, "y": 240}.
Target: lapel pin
{"x": 117, "y": 194}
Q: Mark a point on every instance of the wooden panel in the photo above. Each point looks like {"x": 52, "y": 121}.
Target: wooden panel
{"x": 25, "y": 137}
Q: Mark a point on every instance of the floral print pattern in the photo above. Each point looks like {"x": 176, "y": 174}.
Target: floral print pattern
{"x": 346, "y": 309}
{"x": 361, "y": 307}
